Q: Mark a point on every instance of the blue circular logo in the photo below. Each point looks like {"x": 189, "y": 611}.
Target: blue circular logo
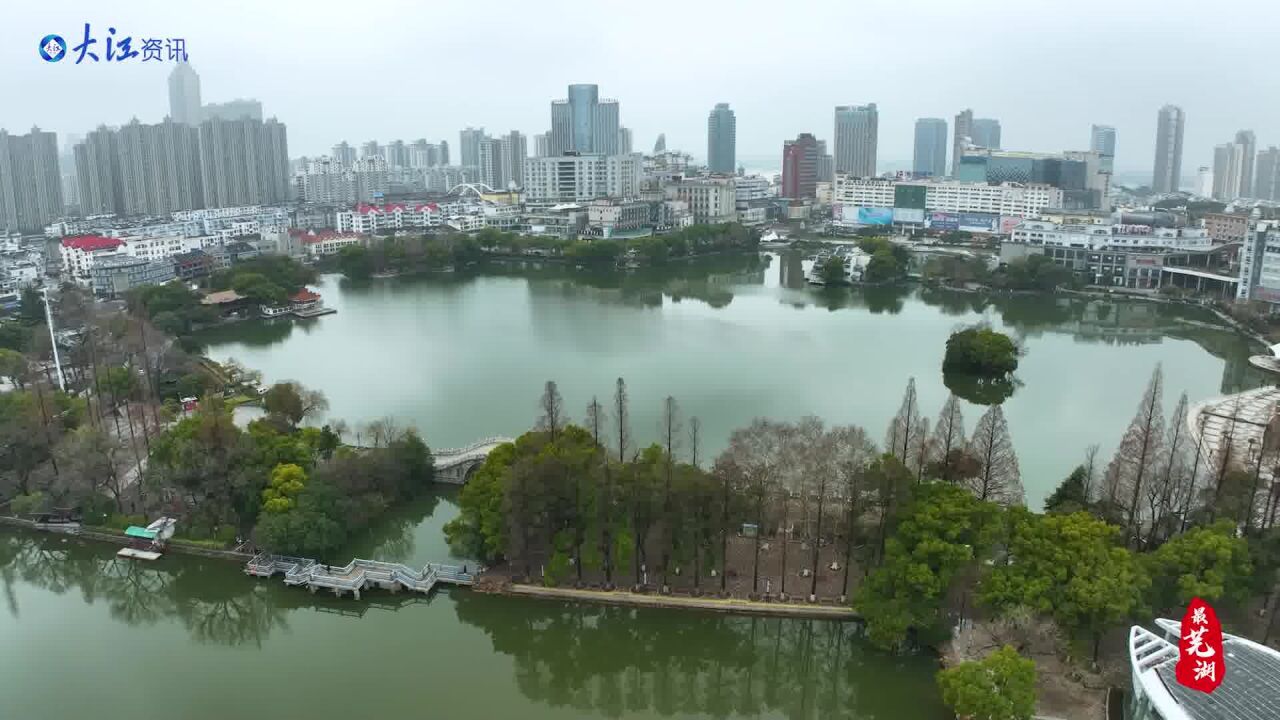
{"x": 53, "y": 48}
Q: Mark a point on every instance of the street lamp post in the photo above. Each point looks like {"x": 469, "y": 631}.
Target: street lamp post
{"x": 53, "y": 341}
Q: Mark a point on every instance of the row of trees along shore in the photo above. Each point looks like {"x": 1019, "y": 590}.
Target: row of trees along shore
{"x": 916, "y": 533}
{"x": 411, "y": 253}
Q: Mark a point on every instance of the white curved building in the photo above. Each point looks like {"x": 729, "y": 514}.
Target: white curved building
{"x": 1250, "y": 688}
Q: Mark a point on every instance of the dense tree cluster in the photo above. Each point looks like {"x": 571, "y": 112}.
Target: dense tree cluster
{"x": 417, "y": 253}
{"x": 889, "y": 261}
{"x": 980, "y": 351}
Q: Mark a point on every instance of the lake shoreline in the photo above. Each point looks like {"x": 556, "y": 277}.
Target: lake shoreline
{"x": 732, "y": 606}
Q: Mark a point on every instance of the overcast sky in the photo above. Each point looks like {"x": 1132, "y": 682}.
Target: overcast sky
{"x": 402, "y": 69}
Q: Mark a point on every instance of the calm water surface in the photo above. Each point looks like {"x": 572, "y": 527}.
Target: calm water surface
{"x": 83, "y": 634}
{"x": 731, "y": 339}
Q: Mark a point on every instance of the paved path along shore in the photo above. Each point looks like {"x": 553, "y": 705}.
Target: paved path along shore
{"x": 730, "y": 605}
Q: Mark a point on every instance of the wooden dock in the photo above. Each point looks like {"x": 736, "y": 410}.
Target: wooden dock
{"x": 356, "y": 575}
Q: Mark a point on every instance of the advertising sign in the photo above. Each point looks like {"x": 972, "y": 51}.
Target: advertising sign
{"x": 909, "y": 196}
{"x": 909, "y": 216}
{"x": 944, "y": 221}
{"x": 875, "y": 216}
{"x": 1008, "y": 223}
{"x": 979, "y": 222}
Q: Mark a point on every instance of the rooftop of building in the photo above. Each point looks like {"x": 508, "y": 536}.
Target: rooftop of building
{"x": 1250, "y": 688}
{"x": 222, "y": 297}
{"x": 364, "y": 208}
{"x": 304, "y": 295}
{"x": 91, "y": 243}
{"x": 315, "y": 236}
{"x": 119, "y": 261}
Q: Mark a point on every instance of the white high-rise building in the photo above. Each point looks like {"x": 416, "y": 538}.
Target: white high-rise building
{"x": 159, "y": 168}
{"x": 1170, "y": 124}
{"x": 327, "y": 181}
{"x": 1204, "y": 181}
{"x": 1228, "y": 171}
{"x": 857, "y": 133}
{"x": 1249, "y": 144}
{"x": 98, "y": 173}
{"x": 578, "y": 178}
{"x": 515, "y": 150}
{"x": 950, "y": 196}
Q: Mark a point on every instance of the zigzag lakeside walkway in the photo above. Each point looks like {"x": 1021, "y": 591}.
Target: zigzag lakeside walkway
{"x": 357, "y": 575}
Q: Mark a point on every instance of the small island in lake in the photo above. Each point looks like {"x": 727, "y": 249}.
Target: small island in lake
{"x": 980, "y": 351}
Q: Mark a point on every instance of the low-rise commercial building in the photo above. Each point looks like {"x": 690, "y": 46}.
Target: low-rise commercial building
{"x": 711, "y": 199}
{"x": 1226, "y": 227}
{"x": 319, "y": 243}
{"x": 1131, "y": 256}
{"x": 115, "y": 275}
{"x": 612, "y": 217}
{"x": 943, "y": 196}
{"x": 1260, "y": 264}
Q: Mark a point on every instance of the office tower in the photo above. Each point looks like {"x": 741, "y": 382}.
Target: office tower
{"x": 30, "y": 182}
{"x": 560, "y": 138}
{"x": 184, "y": 94}
{"x": 1249, "y": 144}
{"x": 370, "y": 149}
{"x": 444, "y": 152}
{"x": 1102, "y": 140}
{"x": 515, "y": 150}
{"x": 857, "y": 130}
{"x": 660, "y": 145}
{"x": 344, "y": 154}
{"x": 244, "y": 162}
{"x": 159, "y": 168}
{"x": 624, "y": 141}
{"x": 98, "y": 173}
{"x": 583, "y": 99}
{"x": 233, "y": 110}
{"x": 1228, "y": 171}
{"x": 930, "y": 158}
{"x": 469, "y": 140}
{"x": 722, "y": 138}
{"x": 1170, "y": 124}
{"x": 542, "y": 145}
{"x": 605, "y": 128}
{"x": 489, "y": 160}
{"x": 800, "y": 167}
{"x": 1266, "y": 184}
{"x": 986, "y": 133}
{"x": 962, "y": 136}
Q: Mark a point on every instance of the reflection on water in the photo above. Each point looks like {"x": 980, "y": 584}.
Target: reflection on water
{"x": 595, "y": 661}
{"x": 609, "y": 661}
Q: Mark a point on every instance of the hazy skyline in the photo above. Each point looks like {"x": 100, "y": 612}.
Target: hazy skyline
{"x": 409, "y": 70}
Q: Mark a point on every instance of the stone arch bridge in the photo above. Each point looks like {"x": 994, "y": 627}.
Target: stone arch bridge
{"x": 455, "y": 465}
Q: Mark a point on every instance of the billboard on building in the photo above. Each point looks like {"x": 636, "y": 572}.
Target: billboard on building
{"x": 875, "y": 216}
{"x": 979, "y": 222}
{"x": 909, "y": 196}
{"x": 944, "y": 221}
{"x": 1008, "y": 223}
{"x": 909, "y": 216}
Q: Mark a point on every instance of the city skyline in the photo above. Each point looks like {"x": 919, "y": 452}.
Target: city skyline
{"x": 326, "y": 98}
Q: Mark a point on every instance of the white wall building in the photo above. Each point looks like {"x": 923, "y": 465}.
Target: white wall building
{"x": 366, "y": 219}
{"x": 80, "y": 253}
{"x": 1260, "y": 264}
{"x": 943, "y": 196}
{"x": 1097, "y": 237}
{"x": 579, "y": 178}
{"x": 711, "y": 199}
{"x": 325, "y": 242}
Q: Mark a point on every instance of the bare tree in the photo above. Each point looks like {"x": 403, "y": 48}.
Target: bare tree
{"x": 670, "y": 429}
{"x": 921, "y": 449}
{"x": 622, "y": 419}
{"x": 999, "y": 479}
{"x": 904, "y": 428}
{"x": 852, "y": 451}
{"x": 1136, "y": 458}
{"x": 1090, "y": 469}
{"x": 595, "y": 422}
{"x": 695, "y": 439}
{"x": 754, "y": 452}
{"x": 948, "y": 435}
{"x": 1175, "y": 479}
{"x": 552, "y": 420}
